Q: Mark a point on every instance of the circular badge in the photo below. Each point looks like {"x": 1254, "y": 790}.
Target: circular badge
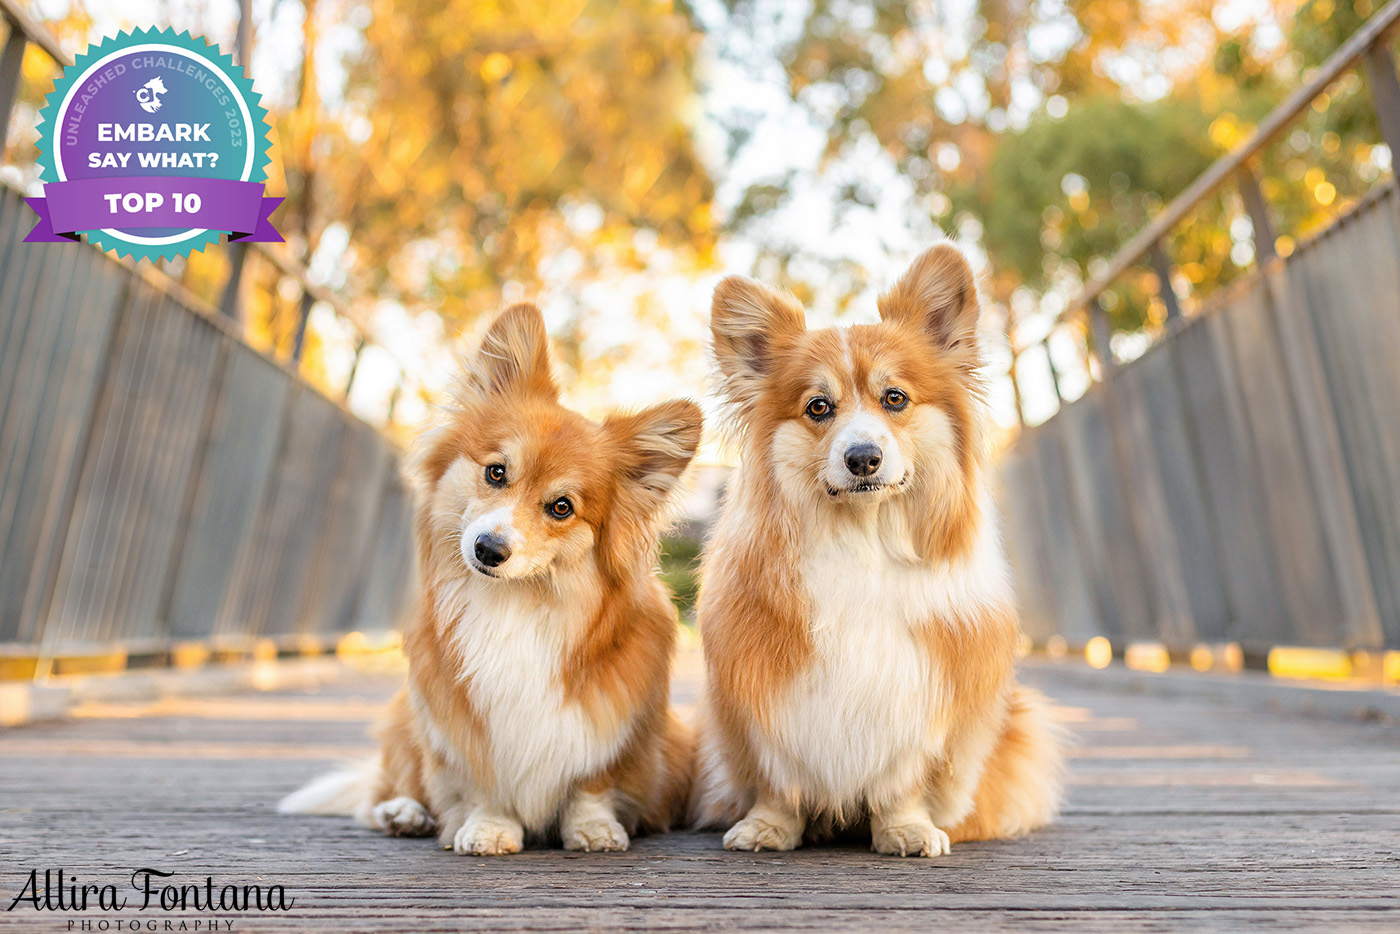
{"x": 153, "y": 144}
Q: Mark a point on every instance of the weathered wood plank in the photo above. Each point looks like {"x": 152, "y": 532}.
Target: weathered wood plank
{"x": 1196, "y": 813}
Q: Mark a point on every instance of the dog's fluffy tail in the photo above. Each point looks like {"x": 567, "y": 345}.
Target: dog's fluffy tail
{"x": 1021, "y": 786}
{"x": 341, "y": 793}
{"x": 716, "y": 801}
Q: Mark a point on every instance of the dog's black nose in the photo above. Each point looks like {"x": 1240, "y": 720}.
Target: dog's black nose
{"x": 863, "y": 459}
{"x": 490, "y": 550}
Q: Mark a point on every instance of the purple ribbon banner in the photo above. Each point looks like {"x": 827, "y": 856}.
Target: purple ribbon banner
{"x": 137, "y": 202}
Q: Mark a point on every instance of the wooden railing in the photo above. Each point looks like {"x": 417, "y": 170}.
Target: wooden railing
{"x": 162, "y": 482}
{"x": 1368, "y": 47}
{"x": 1239, "y": 482}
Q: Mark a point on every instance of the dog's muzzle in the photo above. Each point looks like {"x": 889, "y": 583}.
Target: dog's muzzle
{"x": 863, "y": 462}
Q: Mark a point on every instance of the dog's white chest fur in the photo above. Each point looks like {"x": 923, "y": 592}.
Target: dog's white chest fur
{"x": 861, "y": 721}
{"x": 540, "y": 742}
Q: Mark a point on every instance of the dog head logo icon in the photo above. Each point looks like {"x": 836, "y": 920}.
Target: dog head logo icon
{"x": 148, "y": 95}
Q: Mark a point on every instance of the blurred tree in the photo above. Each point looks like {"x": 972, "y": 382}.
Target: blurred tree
{"x": 1026, "y": 117}
{"x": 481, "y": 138}
{"x": 1057, "y": 129}
{"x": 1071, "y": 189}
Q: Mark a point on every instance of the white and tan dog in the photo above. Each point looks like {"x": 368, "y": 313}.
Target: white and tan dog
{"x": 540, "y": 652}
{"x": 856, "y": 611}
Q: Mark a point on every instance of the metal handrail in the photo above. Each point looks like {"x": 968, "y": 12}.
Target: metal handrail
{"x": 26, "y": 29}
{"x": 1365, "y": 42}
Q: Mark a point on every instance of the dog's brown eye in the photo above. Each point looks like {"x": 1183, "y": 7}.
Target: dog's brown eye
{"x": 895, "y": 400}
{"x": 819, "y": 409}
{"x": 561, "y": 508}
{"x": 496, "y": 475}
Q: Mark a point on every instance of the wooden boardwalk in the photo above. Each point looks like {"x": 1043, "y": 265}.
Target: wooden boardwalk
{"x": 1184, "y": 814}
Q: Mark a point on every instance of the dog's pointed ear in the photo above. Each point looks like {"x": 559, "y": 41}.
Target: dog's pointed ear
{"x": 937, "y": 294}
{"x": 654, "y": 446}
{"x": 513, "y": 358}
{"x": 750, "y": 323}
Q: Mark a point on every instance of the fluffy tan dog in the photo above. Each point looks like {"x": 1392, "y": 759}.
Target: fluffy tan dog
{"x": 856, "y": 611}
{"x": 540, "y": 652}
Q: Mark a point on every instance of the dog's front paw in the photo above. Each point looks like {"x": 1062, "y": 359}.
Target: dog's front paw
{"x": 403, "y": 817}
{"x": 489, "y": 836}
{"x": 755, "y": 833}
{"x": 917, "y": 838}
{"x": 599, "y": 835}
